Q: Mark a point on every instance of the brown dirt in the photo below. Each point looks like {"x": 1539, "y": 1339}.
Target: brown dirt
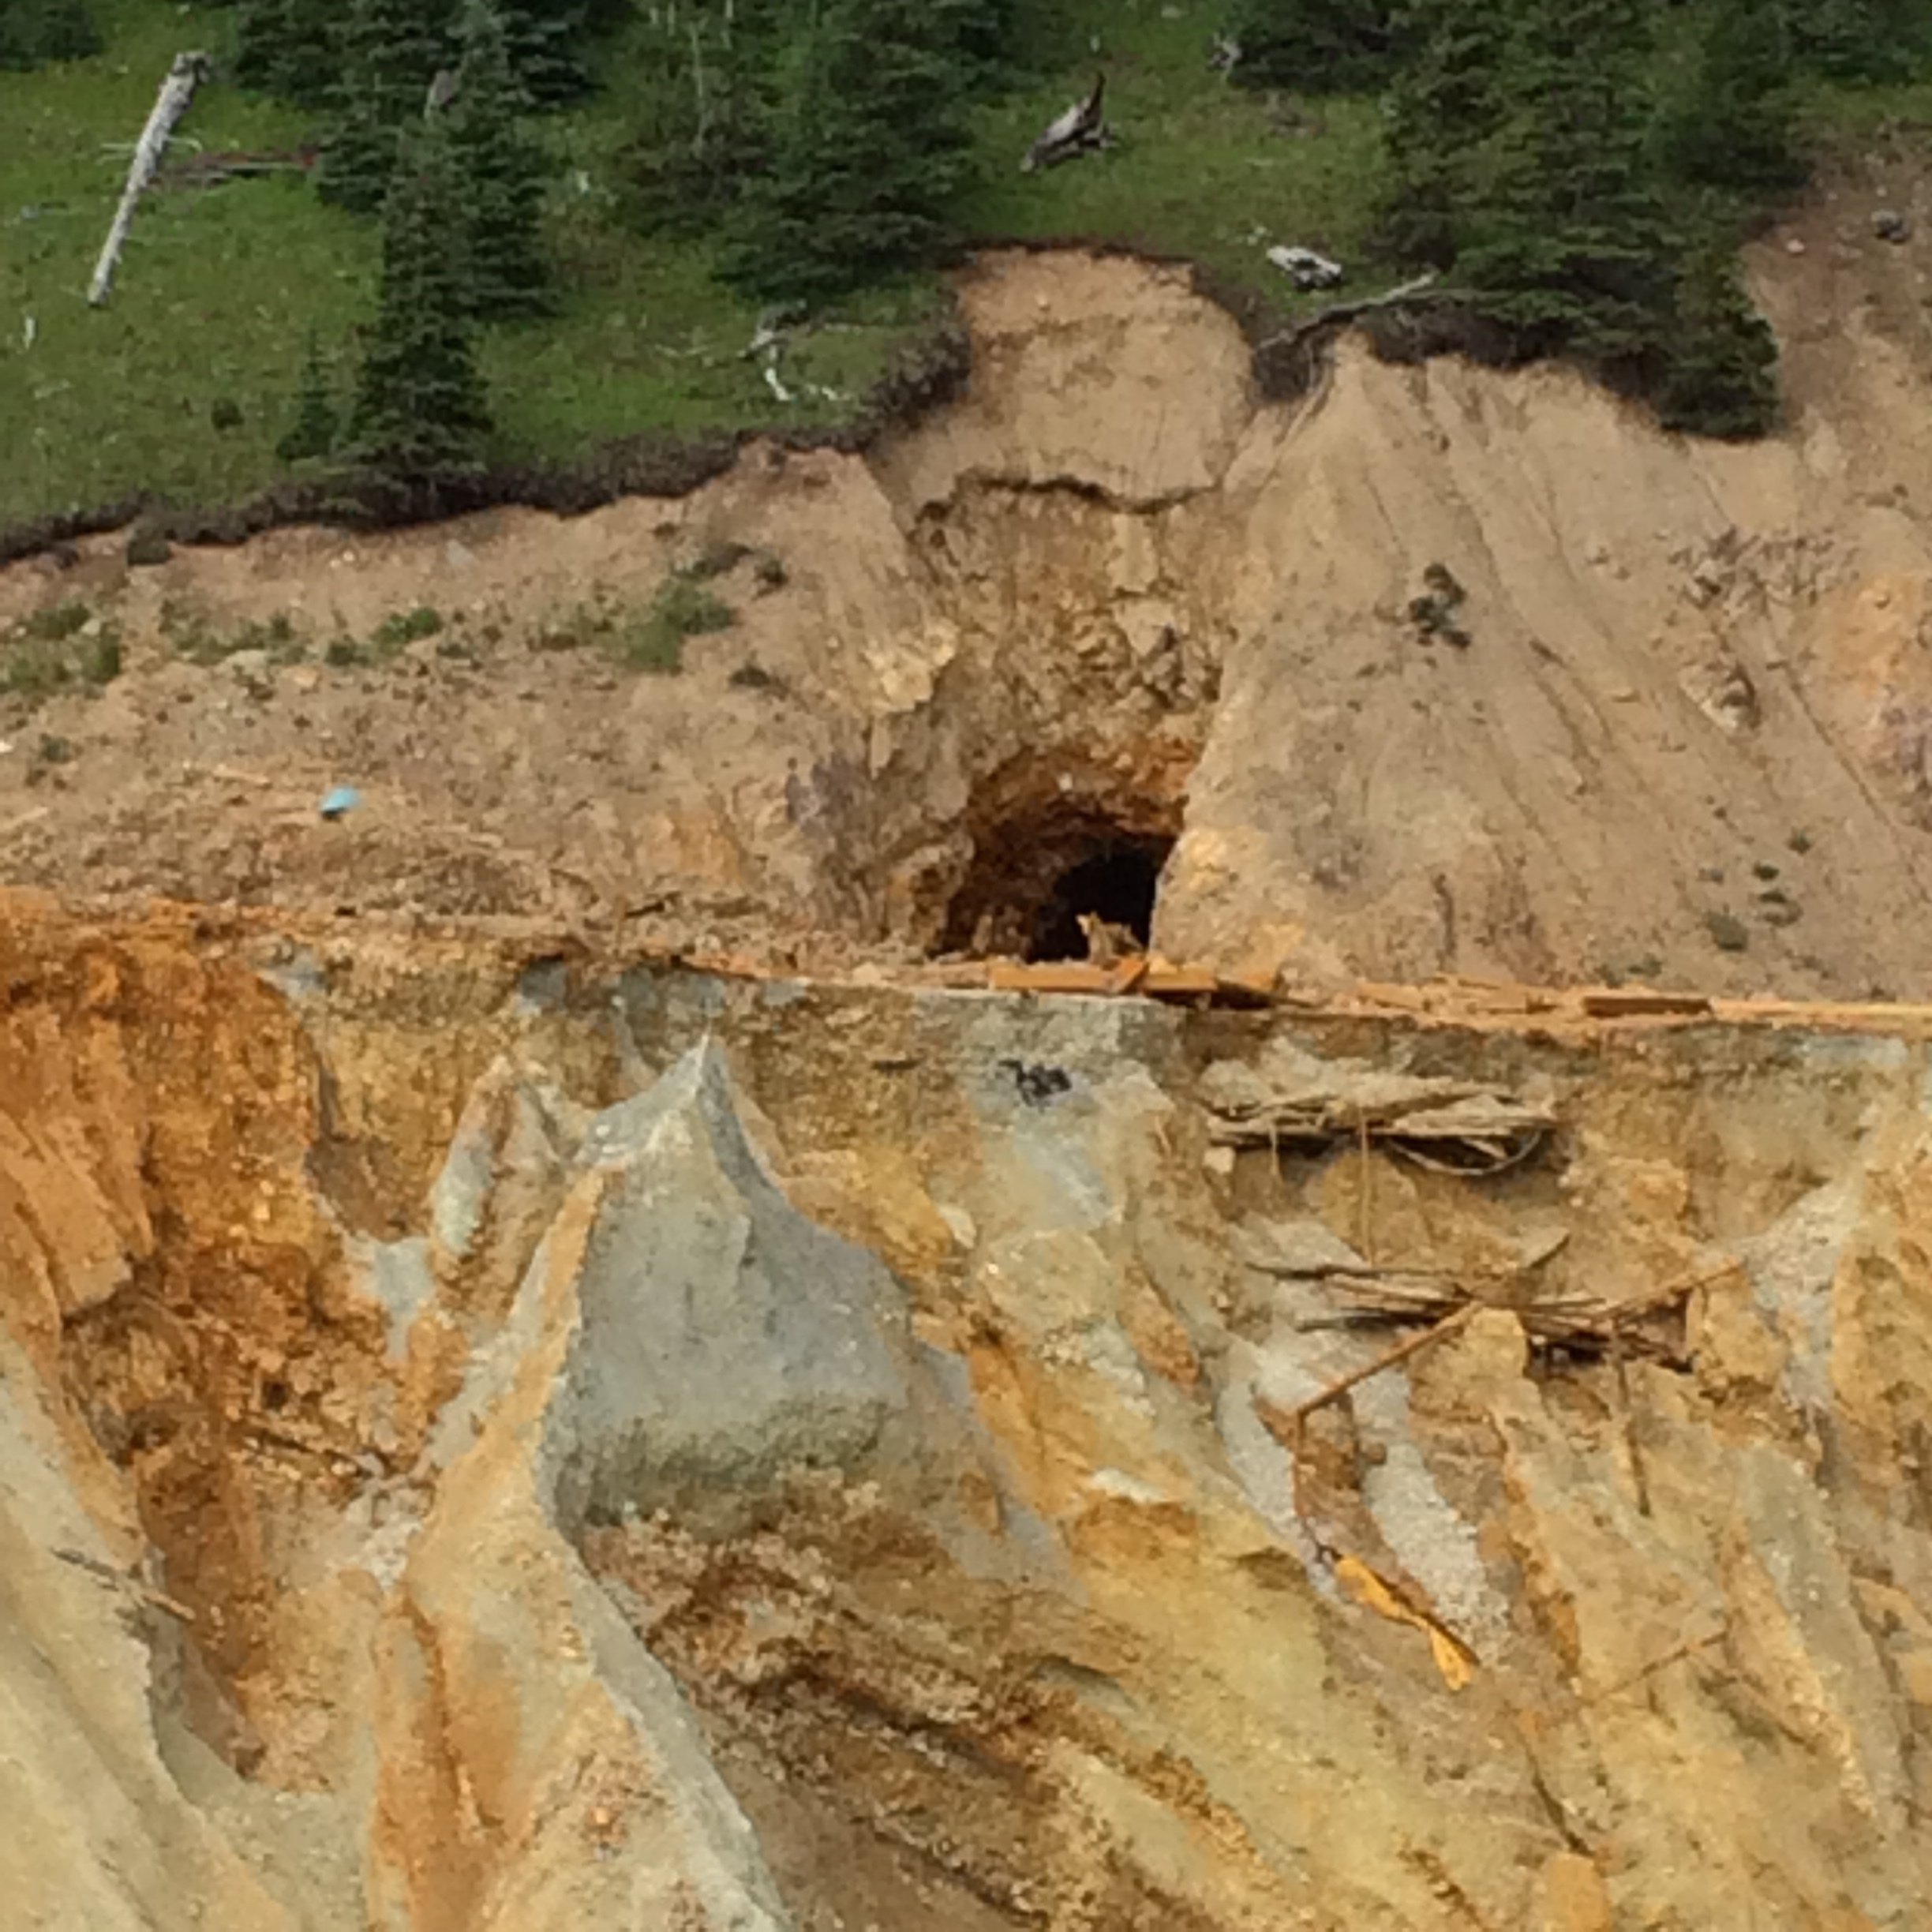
{"x": 295, "y": 1206}
{"x": 1106, "y": 592}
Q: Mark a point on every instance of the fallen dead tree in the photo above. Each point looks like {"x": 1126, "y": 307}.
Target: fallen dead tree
{"x": 177, "y": 93}
{"x": 1082, "y": 129}
{"x": 1452, "y": 1126}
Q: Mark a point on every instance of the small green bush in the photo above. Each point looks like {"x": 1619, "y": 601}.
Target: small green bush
{"x": 47, "y": 652}
{"x": 56, "y": 625}
{"x": 653, "y": 639}
{"x": 402, "y": 627}
{"x": 100, "y": 658}
{"x": 194, "y": 638}
{"x": 32, "y": 669}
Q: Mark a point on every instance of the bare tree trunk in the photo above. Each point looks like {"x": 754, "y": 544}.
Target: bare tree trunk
{"x": 188, "y": 71}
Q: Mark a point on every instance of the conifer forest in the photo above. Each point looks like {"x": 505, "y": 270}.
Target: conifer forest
{"x": 406, "y": 242}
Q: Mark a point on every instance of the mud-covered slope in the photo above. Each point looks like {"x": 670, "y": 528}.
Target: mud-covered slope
{"x": 490, "y": 1442}
{"x": 1108, "y": 600}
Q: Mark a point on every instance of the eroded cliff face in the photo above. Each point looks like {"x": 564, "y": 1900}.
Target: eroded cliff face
{"x": 1111, "y": 609}
{"x": 496, "y": 1438}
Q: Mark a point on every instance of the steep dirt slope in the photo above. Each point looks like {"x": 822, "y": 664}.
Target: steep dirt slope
{"x": 493, "y": 1442}
{"x": 1105, "y": 602}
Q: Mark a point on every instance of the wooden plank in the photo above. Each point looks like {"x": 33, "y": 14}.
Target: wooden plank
{"x": 1166, "y": 982}
{"x": 1049, "y": 977}
{"x": 1622, "y": 1002}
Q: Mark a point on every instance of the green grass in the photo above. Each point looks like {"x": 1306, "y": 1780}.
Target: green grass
{"x": 1204, "y": 169}
{"x": 219, "y": 288}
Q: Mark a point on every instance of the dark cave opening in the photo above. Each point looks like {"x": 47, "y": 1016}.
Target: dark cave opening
{"x": 1034, "y": 874}
{"x": 1118, "y": 883}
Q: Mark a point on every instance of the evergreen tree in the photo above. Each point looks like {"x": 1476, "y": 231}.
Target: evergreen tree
{"x": 1315, "y": 46}
{"x": 867, "y": 146}
{"x": 392, "y": 51}
{"x": 1731, "y": 126}
{"x": 1858, "y": 39}
{"x": 289, "y": 48}
{"x": 705, "y": 112}
{"x": 501, "y": 171}
{"x": 1565, "y": 234}
{"x": 1446, "y": 102}
{"x": 979, "y": 37}
{"x": 551, "y": 41}
{"x": 1722, "y": 380}
{"x": 314, "y": 431}
{"x": 36, "y": 33}
{"x": 419, "y": 406}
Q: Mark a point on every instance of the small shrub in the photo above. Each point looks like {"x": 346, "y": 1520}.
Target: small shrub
{"x": 56, "y": 625}
{"x": 146, "y": 548}
{"x": 48, "y": 651}
{"x": 402, "y": 627}
{"x": 344, "y": 651}
{"x": 32, "y": 668}
{"x": 653, "y": 640}
{"x": 100, "y": 658}
{"x": 225, "y": 413}
{"x": 53, "y": 750}
{"x": 194, "y": 638}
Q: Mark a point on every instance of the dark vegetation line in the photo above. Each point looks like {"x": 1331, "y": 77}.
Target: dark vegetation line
{"x": 1579, "y": 174}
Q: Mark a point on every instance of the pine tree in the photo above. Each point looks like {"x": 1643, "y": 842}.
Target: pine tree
{"x": 1315, "y": 46}
{"x": 1565, "y": 231}
{"x": 1732, "y": 126}
{"x": 420, "y": 406}
{"x": 550, "y": 43}
{"x": 867, "y": 150}
{"x": 314, "y": 429}
{"x": 391, "y": 50}
{"x": 34, "y": 33}
{"x": 979, "y": 37}
{"x": 289, "y": 48}
{"x": 1858, "y": 39}
{"x": 1722, "y": 380}
{"x": 501, "y": 171}
{"x": 1447, "y": 102}
{"x": 705, "y": 112}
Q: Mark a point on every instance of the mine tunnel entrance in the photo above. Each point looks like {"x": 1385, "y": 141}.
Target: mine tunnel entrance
{"x": 1034, "y": 874}
{"x": 1118, "y": 883}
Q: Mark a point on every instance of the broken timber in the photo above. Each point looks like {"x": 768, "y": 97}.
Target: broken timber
{"x": 177, "y": 91}
{"x": 1080, "y": 130}
{"x": 1580, "y": 1324}
{"x": 1441, "y": 1125}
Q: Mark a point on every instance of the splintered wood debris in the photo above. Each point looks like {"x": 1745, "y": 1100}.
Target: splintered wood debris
{"x": 1299, "y": 1104}
{"x": 1583, "y": 1325}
